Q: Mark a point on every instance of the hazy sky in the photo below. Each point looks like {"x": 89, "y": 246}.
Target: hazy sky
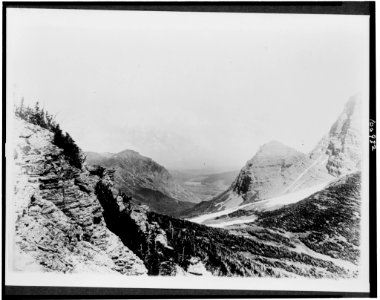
{"x": 189, "y": 90}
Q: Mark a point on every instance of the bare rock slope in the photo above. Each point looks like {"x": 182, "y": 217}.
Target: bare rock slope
{"x": 340, "y": 148}
{"x": 59, "y": 224}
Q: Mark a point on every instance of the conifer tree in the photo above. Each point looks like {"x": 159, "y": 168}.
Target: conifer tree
{"x": 38, "y": 116}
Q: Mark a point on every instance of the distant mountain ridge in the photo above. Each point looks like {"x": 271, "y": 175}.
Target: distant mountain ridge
{"x": 148, "y": 182}
{"x": 277, "y": 169}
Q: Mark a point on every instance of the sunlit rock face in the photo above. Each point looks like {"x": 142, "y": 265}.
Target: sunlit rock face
{"x": 341, "y": 147}
{"x": 59, "y": 224}
{"x": 274, "y": 170}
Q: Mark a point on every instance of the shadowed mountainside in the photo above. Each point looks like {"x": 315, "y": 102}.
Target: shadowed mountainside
{"x": 148, "y": 182}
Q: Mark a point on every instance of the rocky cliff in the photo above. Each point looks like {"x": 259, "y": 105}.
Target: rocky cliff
{"x": 341, "y": 149}
{"x": 59, "y": 223}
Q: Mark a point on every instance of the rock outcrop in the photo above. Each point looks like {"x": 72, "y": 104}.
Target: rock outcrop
{"x": 132, "y": 224}
{"x": 341, "y": 147}
{"x": 59, "y": 224}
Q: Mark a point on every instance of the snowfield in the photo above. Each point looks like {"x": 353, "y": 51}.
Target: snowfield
{"x": 277, "y": 202}
{"x": 263, "y": 205}
{"x": 296, "y": 182}
{"x": 202, "y": 218}
{"x": 241, "y": 220}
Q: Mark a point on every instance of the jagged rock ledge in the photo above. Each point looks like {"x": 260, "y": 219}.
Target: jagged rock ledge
{"x": 59, "y": 221}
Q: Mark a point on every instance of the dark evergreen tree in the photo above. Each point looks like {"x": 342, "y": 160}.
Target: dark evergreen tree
{"x": 40, "y": 117}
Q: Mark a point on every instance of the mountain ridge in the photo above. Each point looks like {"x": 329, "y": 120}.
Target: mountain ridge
{"x": 146, "y": 181}
{"x": 278, "y": 169}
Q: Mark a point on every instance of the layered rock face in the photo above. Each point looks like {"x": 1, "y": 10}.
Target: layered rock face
{"x": 148, "y": 182}
{"x": 59, "y": 224}
{"x": 276, "y": 169}
{"x": 341, "y": 147}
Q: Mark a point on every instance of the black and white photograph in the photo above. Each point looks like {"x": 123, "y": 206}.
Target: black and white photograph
{"x": 189, "y": 150}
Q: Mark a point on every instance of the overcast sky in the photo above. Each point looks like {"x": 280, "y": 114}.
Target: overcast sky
{"x": 189, "y": 90}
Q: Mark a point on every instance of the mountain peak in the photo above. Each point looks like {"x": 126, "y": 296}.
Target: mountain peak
{"x": 275, "y": 148}
{"x": 341, "y": 147}
{"x": 274, "y": 143}
{"x": 352, "y": 103}
{"x": 147, "y": 180}
{"x": 128, "y": 152}
{"x": 349, "y": 118}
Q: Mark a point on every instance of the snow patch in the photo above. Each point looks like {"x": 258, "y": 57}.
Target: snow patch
{"x": 232, "y": 201}
{"x": 202, "y": 218}
{"x": 263, "y": 205}
{"x": 233, "y": 222}
{"x": 290, "y": 198}
{"x": 295, "y": 182}
{"x": 301, "y": 248}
